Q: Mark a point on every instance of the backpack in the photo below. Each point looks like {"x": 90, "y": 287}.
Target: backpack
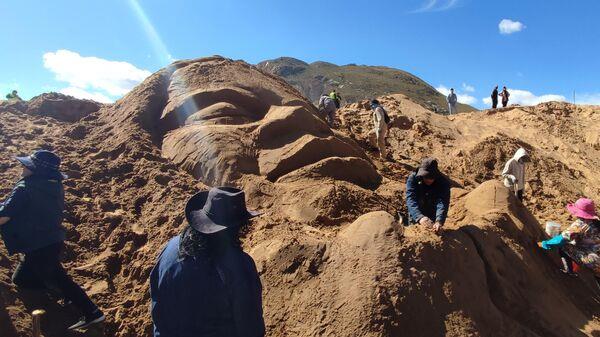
{"x": 386, "y": 117}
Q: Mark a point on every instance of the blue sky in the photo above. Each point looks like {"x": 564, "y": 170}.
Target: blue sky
{"x": 100, "y": 49}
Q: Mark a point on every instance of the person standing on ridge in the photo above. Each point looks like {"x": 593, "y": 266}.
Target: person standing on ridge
{"x": 30, "y": 222}
{"x": 505, "y": 95}
{"x": 13, "y": 96}
{"x": 452, "y": 100}
{"x": 428, "y": 196}
{"x": 203, "y": 283}
{"x": 495, "y": 97}
{"x": 380, "y": 121}
{"x": 514, "y": 172}
{"x": 327, "y": 107}
{"x": 336, "y": 98}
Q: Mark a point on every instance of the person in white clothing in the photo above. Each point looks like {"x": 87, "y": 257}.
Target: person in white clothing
{"x": 514, "y": 172}
{"x": 381, "y": 128}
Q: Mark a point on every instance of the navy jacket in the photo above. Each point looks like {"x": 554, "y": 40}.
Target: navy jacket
{"x": 35, "y": 208}
{"x": 430, "y": 201}
{"x": 218, "y": 296}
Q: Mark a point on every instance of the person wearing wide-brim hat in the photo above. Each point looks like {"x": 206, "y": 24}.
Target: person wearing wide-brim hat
{"x": 428, "y": 196}
{"x": 203, "y": 283}
{"x": 580, "y": 242}
{"x": 31, "y": 224}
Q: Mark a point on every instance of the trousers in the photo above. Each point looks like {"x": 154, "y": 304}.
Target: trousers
{"x": 41, "y": 269}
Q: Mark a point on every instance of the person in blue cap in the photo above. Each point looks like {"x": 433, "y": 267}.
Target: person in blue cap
{"x": 203, "y": 283}
{"x": 31, "y": 224}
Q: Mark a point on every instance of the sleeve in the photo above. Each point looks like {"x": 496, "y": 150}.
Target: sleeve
{"x": 442, "y": 204}
{"x": 555, "y": 242}
{"x": 247, "y": 303}
{"x": 411, "y": 199}
{"x": 158, "y": 307}
{"x": 508, "y": 169}
{"x": 15, "y": 203}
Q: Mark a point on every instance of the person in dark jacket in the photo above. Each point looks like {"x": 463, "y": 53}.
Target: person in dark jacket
{"x": 30, "y": 221}
{"x": 505, "y": 96}
{"x": 495, "y": 97}
{"x": 428, "y": 196}
{"x": 203, "y": 283}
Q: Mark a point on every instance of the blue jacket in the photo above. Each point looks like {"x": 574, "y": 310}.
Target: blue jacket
{"x": 430, "y": 201}
{"x": 555, "y": 242}
{"x": 219, "y": 296}
{"x": 35, "y": 208}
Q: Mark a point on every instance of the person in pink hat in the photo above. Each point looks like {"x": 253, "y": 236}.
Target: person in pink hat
{"x": 580, "y": 242}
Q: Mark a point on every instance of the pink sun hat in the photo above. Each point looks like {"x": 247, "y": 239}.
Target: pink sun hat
{"x": 583, "y": 208}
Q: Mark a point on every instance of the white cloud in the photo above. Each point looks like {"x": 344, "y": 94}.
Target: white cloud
{"x": 83, "y": 94}
{"x": 468, "y": 88}
{"x": 436, "y": 6}
{"x": 588, "y": 99}
{"x": 93, "y": 76}
{"x": 462, "y": 98}
{"x": 508, "y": 26}
{"x": 524, "y": 97}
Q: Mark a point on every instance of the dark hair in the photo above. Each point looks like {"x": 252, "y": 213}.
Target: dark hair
{"x": 374, "y": 101}
{"x": 195, "y": 244}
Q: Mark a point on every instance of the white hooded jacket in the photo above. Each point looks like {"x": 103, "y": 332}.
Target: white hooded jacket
{"x": 514, "y": 171}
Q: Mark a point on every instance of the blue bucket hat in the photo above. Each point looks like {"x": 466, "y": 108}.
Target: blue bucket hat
{"x": 44, "y": 163}
{"x": 218, "y": 209}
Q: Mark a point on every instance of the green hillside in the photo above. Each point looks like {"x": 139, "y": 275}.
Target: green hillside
{"x": 356, "y": 82}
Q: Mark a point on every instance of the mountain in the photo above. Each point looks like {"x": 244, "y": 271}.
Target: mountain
{"x": 356, "y": 82}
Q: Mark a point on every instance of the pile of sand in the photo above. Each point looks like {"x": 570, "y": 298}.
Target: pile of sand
{"x": 332, "y": 258}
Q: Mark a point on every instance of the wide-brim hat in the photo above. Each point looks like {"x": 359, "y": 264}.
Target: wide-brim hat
{"x": 583, "y": 208}
{"x": 218, "y": 209}
{"x": 44, "y": 163}
{"x": 428, "y": 168}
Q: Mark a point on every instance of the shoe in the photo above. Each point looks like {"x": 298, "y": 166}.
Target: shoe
{"x": 569, "y": 273}
{"x": 85, "y": 321}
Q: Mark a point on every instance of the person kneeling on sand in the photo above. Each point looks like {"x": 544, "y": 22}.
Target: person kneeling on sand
{"x": 580, "y": 242}
{"x": 30, "y": 222}
{"x": 514, "y": 172}
{"x": 380, "y": 121}
{"x": 13, "y": 96}
{"x": 203, "y": 283}
{"x": 428, "y": 196}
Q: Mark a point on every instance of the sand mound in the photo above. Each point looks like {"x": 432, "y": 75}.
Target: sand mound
{"x": 58, "y": 106}
{"x": 332, "y": 258}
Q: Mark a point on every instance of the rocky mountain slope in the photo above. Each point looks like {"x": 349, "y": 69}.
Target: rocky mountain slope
{"x": 332, "y": 258}
{"x": 356, "y": 82}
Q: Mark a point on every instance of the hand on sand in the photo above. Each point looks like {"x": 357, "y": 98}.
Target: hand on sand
{"x": 425, "y": 221}
{"x": 438, "y": 228}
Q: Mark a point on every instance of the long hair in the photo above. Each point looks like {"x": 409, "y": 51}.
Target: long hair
{"x": 196, "y": 244}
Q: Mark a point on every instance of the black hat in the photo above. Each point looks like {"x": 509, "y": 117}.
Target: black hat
{"x": 219, "y": 208}
{"x": 44, "y": 163}
{"x": 428, "y": 168}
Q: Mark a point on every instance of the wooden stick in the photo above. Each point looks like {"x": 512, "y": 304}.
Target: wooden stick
{"x": 36, "y": 323}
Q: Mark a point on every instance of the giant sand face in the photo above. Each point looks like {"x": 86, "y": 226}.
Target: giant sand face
{"x": 224, "y": 120}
